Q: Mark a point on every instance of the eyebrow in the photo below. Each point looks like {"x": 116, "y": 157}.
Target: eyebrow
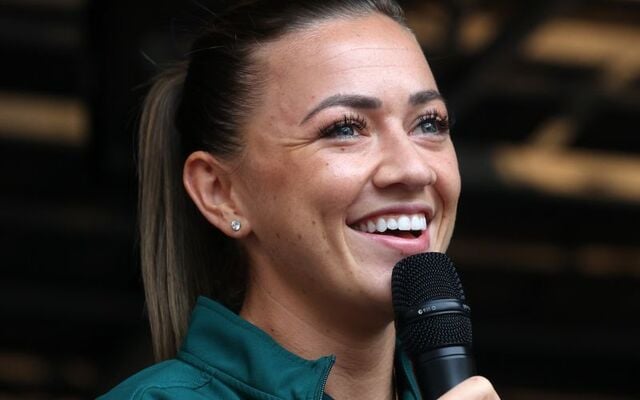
{"x": 424, "y": 97}
{"x": 366, "y": 102}
{"x": 347, "y": 100}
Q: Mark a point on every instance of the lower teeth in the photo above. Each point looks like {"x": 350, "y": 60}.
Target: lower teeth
{"x": 403, "y": 234}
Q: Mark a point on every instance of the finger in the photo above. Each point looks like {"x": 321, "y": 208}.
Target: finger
{"x": 474, "y": 388}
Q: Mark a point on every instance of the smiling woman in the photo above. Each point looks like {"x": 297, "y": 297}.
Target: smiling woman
{"x": 298, "y": 155}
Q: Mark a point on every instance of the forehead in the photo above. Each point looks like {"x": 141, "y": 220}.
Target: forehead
{"x": 371, "y": 55}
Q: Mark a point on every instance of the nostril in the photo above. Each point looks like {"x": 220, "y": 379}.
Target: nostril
{"x": 411, "y": 169}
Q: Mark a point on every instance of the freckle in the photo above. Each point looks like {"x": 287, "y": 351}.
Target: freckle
{"x": 313, "y": 222}
{"x": 341, "y": 148}
{"x": 299, "y": 236}
{"x": 326, "y": 164}
{"x": 277, "y": 235}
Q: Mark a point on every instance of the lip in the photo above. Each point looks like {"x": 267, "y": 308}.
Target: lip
{"x": 406, "y": 246}
{"x": 396, "y": 209}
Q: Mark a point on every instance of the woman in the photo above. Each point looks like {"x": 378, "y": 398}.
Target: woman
{"x": 302, "y": 151}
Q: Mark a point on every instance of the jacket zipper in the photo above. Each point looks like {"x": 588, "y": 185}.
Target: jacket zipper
{"x": 332, "y": 360}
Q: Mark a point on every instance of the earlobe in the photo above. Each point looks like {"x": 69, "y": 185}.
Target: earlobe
{"x": 209, "y": 186}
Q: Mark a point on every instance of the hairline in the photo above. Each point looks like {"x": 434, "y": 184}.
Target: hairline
{"x": 258, "y": 53}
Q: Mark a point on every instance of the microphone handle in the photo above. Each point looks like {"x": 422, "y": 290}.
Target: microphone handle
{"x": 439, "y": 370}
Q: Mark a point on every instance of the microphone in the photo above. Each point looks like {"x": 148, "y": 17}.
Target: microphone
{"x": 433, "y": 322}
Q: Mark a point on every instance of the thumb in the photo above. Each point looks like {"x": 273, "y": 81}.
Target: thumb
{"x": 474, "y": 388}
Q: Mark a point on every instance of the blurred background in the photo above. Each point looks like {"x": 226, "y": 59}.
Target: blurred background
{"x": 546, "y": 96}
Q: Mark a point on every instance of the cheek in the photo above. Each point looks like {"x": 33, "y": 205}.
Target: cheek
{"x": 303, "y": 186}
{"x": 448, "y": 182}
{"x": 448, "y": 191}
{"x": 324, "y": 192}
{"x": 341, "y": 177}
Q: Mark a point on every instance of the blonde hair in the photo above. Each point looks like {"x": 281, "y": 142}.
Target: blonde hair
{"x": 182, "y": 257}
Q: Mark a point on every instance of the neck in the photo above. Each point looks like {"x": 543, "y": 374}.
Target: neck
{"x": 364, "y": 357}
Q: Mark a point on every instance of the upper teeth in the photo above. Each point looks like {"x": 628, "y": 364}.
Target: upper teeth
{"x": 408, "y": 222}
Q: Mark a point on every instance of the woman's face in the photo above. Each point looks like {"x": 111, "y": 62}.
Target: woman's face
{"x": 350, "y": 139}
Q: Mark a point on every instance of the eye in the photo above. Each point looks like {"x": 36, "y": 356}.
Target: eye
{"x": 347, "y": 127}
{"x": 428, "y": 125}
{"x": 432, "y": 124}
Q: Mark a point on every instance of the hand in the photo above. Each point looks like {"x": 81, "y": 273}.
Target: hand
{"x": 474, "y": 388}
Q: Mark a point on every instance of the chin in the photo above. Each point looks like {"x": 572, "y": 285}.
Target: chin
{"x": 380, "y": 302}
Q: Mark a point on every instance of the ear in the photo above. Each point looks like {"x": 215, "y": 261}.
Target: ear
{"x": 209, "y": 185}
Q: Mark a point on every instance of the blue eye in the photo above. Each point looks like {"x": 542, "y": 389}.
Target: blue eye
{"x": 347, "y": 127}
{"x": 344, "y": 130}
{"x": 431, "y": 124}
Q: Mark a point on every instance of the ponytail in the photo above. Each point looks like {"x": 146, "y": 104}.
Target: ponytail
{"x": 182, "y": 256}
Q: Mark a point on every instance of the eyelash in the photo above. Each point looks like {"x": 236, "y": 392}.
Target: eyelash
{"x": 358, "y": 123}
{"x": 441, "y": 122}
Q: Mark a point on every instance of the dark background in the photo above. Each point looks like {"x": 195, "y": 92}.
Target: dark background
{"x": 547, "y": 101}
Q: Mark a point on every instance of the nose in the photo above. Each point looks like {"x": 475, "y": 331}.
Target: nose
{"x": 403, "y": 162}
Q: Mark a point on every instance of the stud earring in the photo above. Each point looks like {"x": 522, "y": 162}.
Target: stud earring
{"x": 235, "y": 225}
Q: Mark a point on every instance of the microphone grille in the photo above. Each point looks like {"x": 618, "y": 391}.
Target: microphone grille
{"x": 424, "y": 277}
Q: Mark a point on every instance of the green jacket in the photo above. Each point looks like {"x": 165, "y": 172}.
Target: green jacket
{"x": 225, "y": 357}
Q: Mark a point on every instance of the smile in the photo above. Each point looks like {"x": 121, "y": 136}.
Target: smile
{"x": 393, "y": 224}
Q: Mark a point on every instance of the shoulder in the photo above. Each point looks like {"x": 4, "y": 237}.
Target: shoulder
{"x": 172, "y": 379}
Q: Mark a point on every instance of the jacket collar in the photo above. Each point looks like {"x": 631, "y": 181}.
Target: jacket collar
{"x": 234, "y": 350}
